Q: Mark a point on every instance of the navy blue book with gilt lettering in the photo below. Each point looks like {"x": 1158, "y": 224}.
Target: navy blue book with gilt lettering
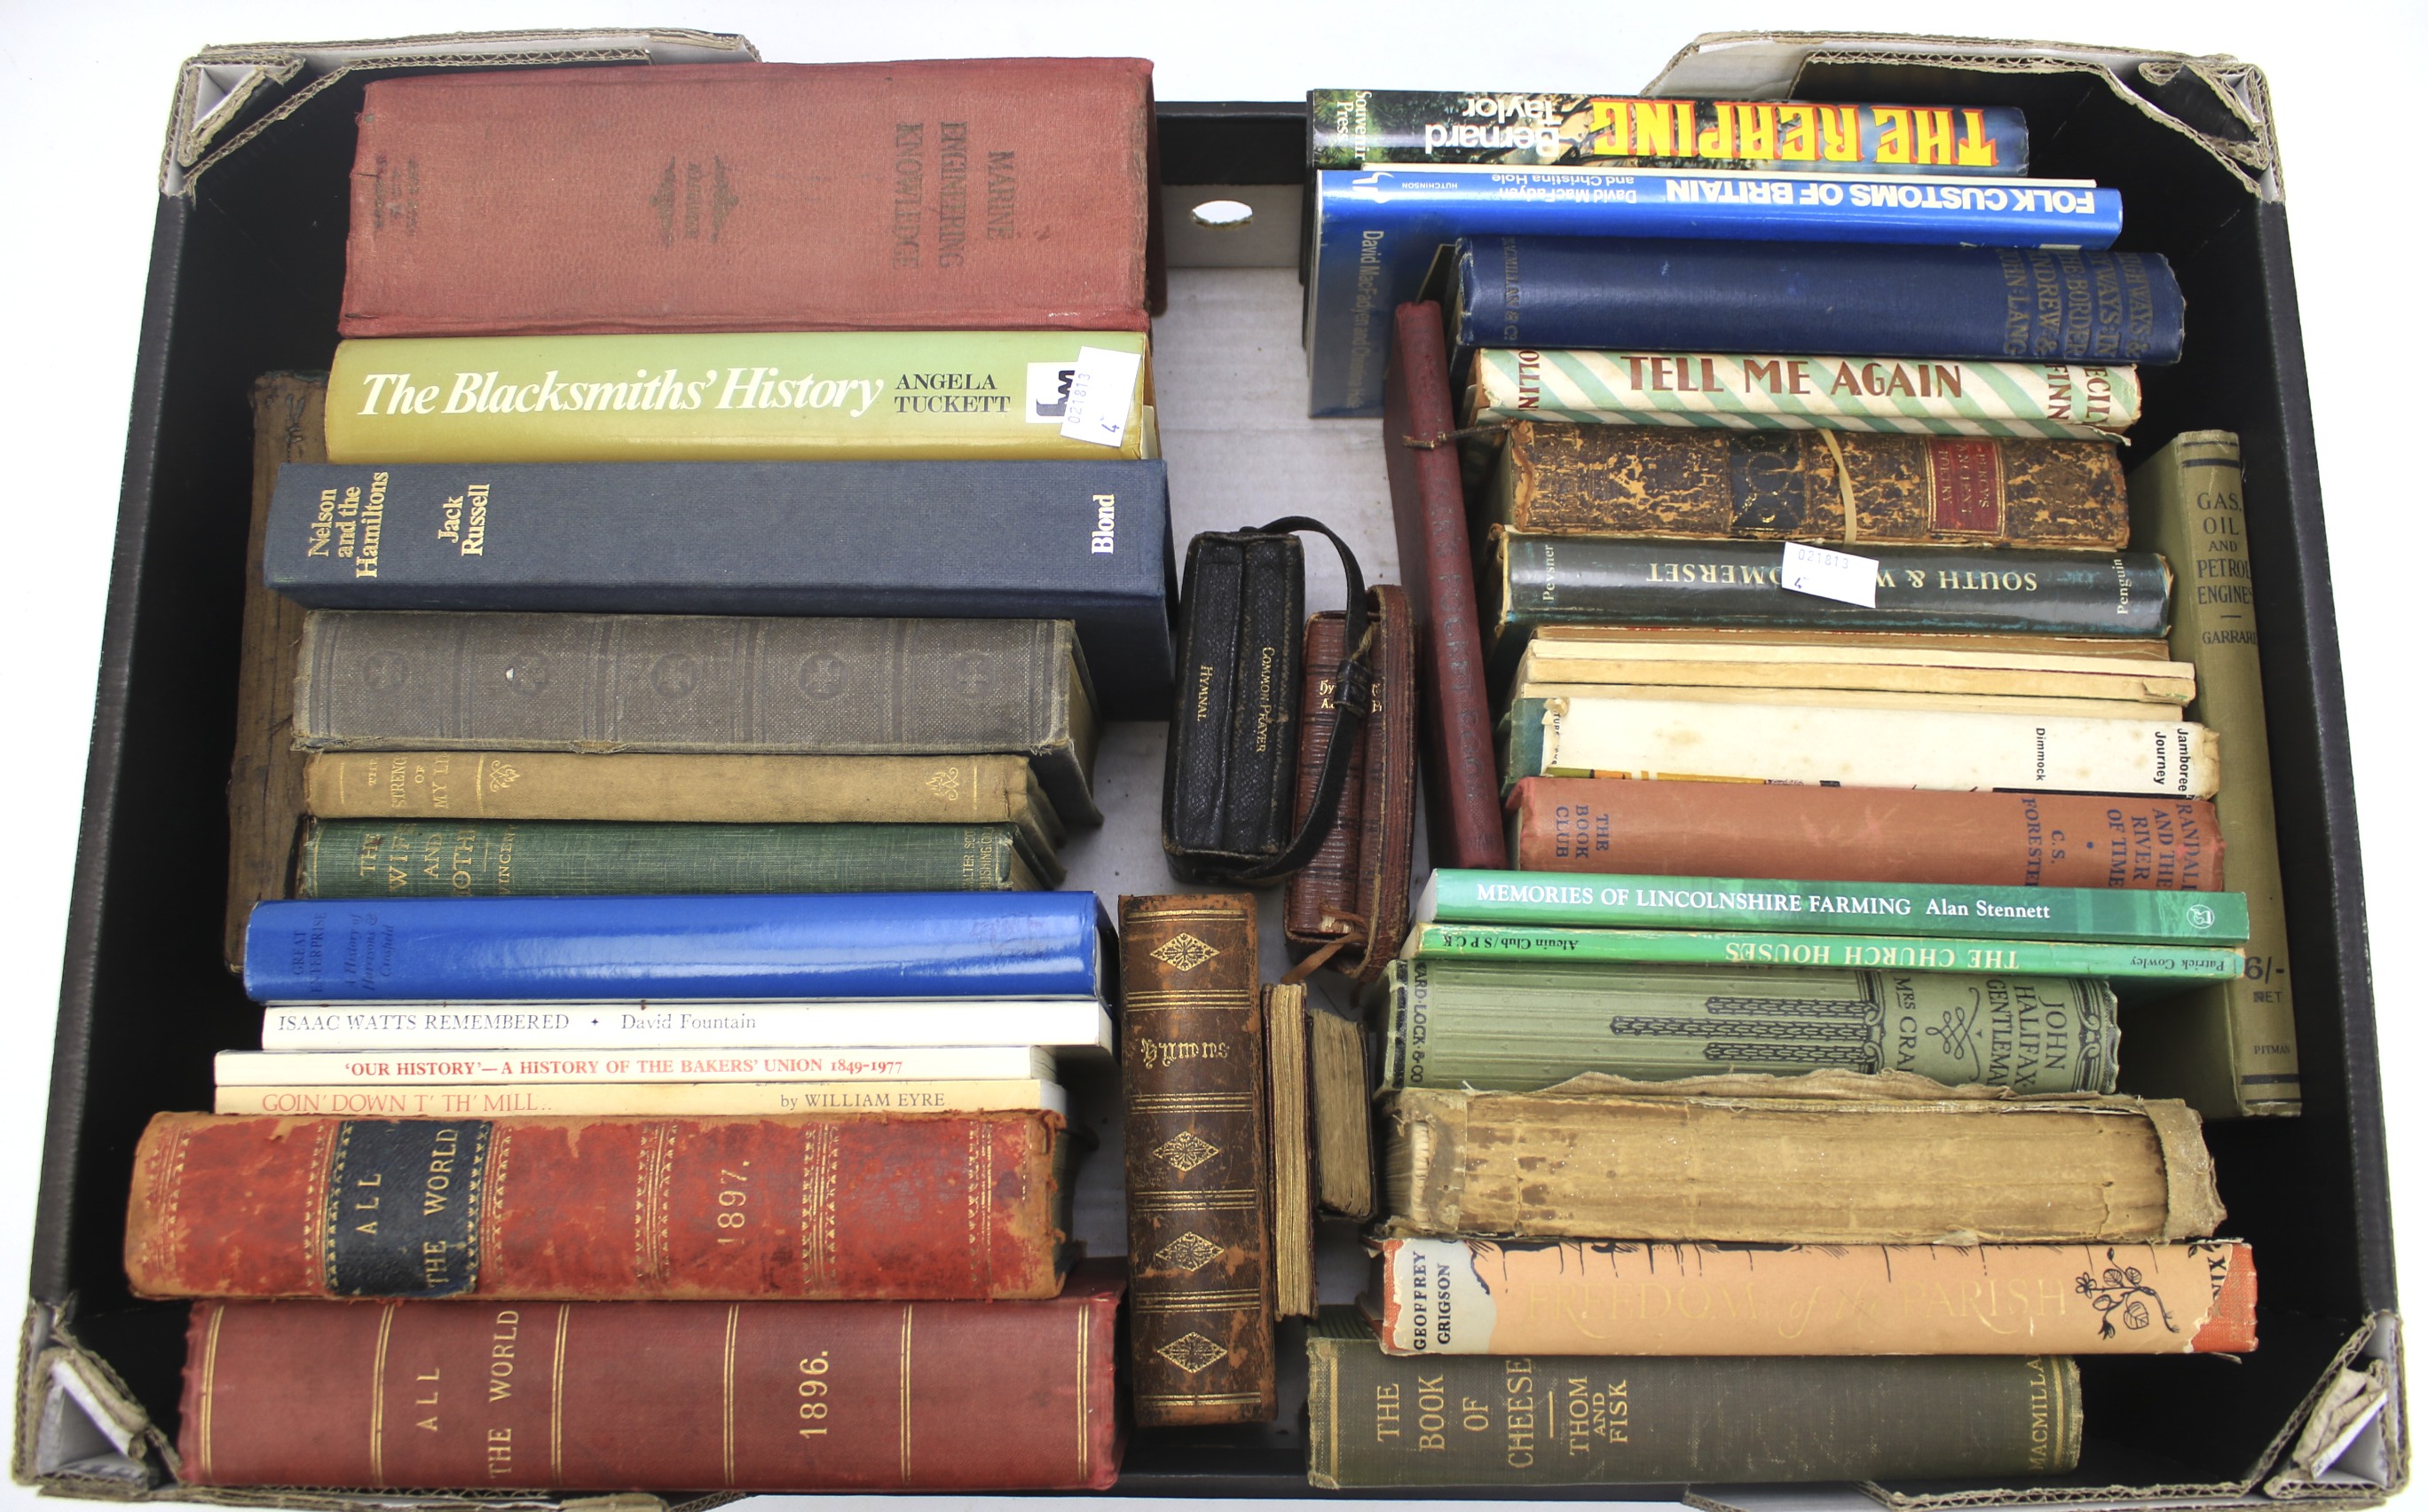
{"x": 2015, "y": 304}
{"x": 1090, "y": 542}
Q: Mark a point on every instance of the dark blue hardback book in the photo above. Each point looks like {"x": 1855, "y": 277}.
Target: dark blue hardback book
{"x": 615, "y": 949}
{"x": 1090, "y": 542}
{"x": 2021, "y": 304}
{"x": 1373, "y": 233}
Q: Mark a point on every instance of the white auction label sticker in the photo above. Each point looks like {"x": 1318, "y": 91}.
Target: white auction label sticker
{"x": 1101, "y": 384}
{"x": 1824, "y": 574}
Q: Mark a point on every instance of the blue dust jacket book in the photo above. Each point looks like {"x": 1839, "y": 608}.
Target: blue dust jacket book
{"x": 2020, "y": 305}
{"x": 611, "y": 949}
{"x": 1090, "y": 542}
{"x": 1374, "y": 232}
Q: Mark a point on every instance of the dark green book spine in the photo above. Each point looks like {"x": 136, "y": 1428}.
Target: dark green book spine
{"x": 1479, "y": 1421}
{"x": 495, "y": 858}
{"x": 1608, "y": 581}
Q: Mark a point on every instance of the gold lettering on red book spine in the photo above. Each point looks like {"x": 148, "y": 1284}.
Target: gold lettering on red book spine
{"x": 732, "y": 1330}
{"x": 556, "y": 1398}
{"x": 379, "y": 1392}
{"x": 906, "y": 1394}
{"x": 820, "y": 1152}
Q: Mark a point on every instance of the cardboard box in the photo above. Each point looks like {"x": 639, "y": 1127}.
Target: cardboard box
{"x": 247, "y": 268}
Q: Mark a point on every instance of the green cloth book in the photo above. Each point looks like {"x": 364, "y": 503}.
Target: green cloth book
{"x": 1502, "y": 1026}
{"x": 500, "y": 858}
{"x": 1378, "y": 1422}
{"x": 1954, "y": 912}
{"x": 2142, "y": 964}
{"x": 2229, "y": 1050}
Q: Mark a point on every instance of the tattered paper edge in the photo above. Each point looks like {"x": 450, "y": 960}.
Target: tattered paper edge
{"x": 2194, "y": 1209}
{"x": 1767, "y": 63}
{"x": 217, "y": 85}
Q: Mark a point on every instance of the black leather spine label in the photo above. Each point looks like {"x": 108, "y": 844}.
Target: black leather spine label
{"x": 405, "y": 1207}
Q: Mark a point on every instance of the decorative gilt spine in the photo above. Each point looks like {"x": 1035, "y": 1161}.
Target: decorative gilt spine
{"x": 1192, "y": 1065}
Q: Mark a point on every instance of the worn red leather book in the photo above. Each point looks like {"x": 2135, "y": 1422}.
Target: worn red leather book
{"x": 919, "y": 1206}
{"x": 1354, "y": 893}
{"x": 755, "y": 1396}
{"x": 963, "y": 194}
{"x": 1861, "y": 834}
{"x": 1429, "y": 513}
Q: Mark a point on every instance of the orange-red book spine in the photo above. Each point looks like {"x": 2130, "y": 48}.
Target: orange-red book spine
{"x": 1429, "y": 516}
{"x": 761, "y": 1396}
{"x": 971, "y": 194}
{"x": 1857, "y": 834}
{"x": 917, "y": 1206}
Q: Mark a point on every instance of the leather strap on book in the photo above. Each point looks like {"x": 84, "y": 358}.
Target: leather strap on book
{"x": 1353, "y": 696}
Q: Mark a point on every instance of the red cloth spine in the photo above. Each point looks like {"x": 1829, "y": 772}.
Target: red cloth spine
{"x": 927, "y": 1206}
{"x": 1463, "y": 825}
{"x": 965, "y": 194}
{"x": 755, "y": 1396}
{"x": 1862, "y": 834}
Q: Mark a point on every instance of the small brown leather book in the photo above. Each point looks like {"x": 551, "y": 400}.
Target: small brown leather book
{"x": 1352, "y": 898}
{"x": 1201, "y": 1309}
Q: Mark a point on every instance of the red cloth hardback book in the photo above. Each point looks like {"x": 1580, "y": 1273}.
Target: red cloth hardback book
{"x": 755, "y": 1396}
{"x": 917, "y": 1206}
{"x": 964, "y": 194}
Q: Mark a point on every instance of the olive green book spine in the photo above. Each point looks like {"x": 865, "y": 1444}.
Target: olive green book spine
{"x": 499, "y": 858}
{"x": 703, "y": 685}
{"x": 755, "y": 396}
{"x": 2227, "y": 1049}
{"x": 1521, "y": 1026}
{"x": 530, "y": 784}
{"x": 1375, "y": 1421}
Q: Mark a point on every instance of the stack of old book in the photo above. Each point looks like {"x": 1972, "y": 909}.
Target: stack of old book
{"x": 1817, "y": 656}
{"x": 730, "y": 517}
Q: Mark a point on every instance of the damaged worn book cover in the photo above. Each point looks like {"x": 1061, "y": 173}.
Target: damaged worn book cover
{"x": 1196, "y": 1175}
{"x": 1831, "y": 1158}
{"x": 1816, "y": 485}
{"x": 1610, "y": 1297}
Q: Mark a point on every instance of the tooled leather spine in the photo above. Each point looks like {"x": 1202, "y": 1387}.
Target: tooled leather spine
{"x": 1193, "y": 1076}
{"x": 1317, "y": 898}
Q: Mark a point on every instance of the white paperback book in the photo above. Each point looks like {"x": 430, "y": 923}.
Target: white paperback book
{"x": 1062, "y": 1024}
{"x": 725, "y": 1062}
{"x": 643, "y": 1099}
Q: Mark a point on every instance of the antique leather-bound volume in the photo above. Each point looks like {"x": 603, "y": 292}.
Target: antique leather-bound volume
{"x": 266, "y": 775}
{"x": 1291, "y": 1120}
{"x": 379, "y": 680}
{"x": 1650, "y": 480}
{"x": 1865, "y": 834}
{"x": 808, "y": 1206}
{"x": 1428, "y": 517}
{"x": 863, "y": 1396}
{"x": 1193, "y": 1090}
{"x": 965, "y": 194}
{"x": 1356, "y": 888}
